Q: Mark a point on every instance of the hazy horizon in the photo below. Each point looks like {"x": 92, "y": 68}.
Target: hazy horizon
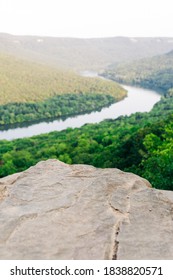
{"x": 71, "y": 37}
{"x": 87, "y": 18}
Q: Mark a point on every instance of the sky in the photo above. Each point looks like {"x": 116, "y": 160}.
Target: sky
{"x": 87, "y": 18}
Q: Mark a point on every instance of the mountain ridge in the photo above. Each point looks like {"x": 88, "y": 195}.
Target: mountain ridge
{"x": 82, "y": 54}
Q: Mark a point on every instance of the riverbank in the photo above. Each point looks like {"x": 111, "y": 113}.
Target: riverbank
{"x": 137, "y": 100}
{"x": 52, "y": 108}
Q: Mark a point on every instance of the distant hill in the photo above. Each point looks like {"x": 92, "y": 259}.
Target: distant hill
{"x": 83, "y": 54}
{"x": 24, "y": 81}
{"x": 154, "y": 73}
{"x": 170, "y": 53}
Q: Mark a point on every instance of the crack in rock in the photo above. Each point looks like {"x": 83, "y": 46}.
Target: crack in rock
{"x": 116, "y": 230}
{"x": 122, "y": 216}
{"x": 116, "y": 242}
{"x": 116, "y": 210}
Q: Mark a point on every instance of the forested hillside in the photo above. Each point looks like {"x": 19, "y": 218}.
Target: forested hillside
{"x": 31, "y": 91}
{"x": 153, "y": 73}
{"x": 52, "y": 108}
{"x": 141, "y": 143}
{"x": 23, "y": 81}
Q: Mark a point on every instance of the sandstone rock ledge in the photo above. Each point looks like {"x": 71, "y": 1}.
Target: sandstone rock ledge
{"x": 59, "y": 211}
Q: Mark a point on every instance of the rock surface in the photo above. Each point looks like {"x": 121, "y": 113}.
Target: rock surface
{"x": 59, "y": 211}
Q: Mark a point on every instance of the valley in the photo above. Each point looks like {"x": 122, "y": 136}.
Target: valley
{"x": 40, "y": 81}
{"x": 86, "y": 139}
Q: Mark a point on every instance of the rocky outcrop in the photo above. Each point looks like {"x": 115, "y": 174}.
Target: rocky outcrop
{"x": 59, "y": 211}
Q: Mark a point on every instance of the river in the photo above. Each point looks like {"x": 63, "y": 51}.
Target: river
{"x": 138, "y": 100}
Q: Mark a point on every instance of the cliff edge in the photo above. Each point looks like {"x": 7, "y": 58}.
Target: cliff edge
{"x": 59, "y": 211}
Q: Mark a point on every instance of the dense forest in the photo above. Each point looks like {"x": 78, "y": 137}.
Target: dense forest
{"x": 53, "y": 107}
{"x": 33, "y": 92}
{"x": 22, "y": 81}
{"x": 141, "y": 143}
{"x": 153, "y": 73}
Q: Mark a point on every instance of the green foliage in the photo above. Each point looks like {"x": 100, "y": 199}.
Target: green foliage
{"x": 159, "y": 159}
{"x": 53, "y": 107}
{"x": 141, "y": 143}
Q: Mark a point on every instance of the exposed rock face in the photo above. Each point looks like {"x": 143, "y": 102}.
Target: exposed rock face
{"x": 59, "y": 211}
